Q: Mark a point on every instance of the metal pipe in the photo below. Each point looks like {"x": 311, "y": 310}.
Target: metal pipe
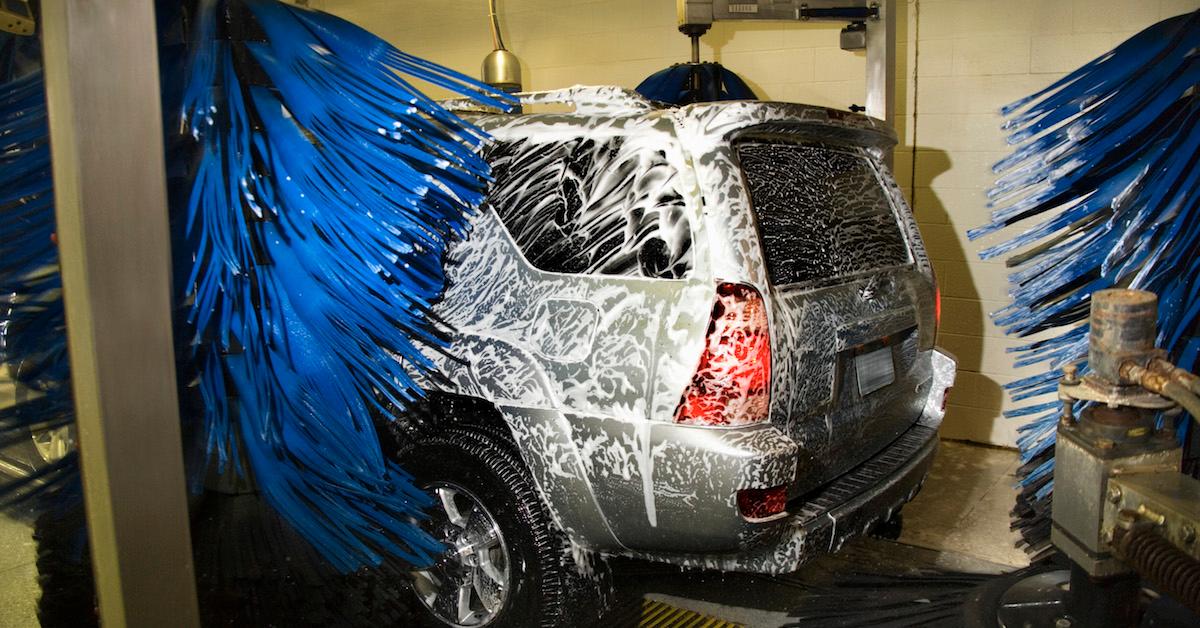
{"x": 497, "y": 40}
{"x": 1132, "y": 373}
{"x": 501, "y": 68}
{"x": 1190, "y": 380}
{"x": 1161, "y": 381}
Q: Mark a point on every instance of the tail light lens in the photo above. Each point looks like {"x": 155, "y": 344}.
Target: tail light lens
{"x": 937, "y": 307}
{"x": 928, "y": 334}
{"x": 762, "y": 503}
{"x": 732, "y": 382}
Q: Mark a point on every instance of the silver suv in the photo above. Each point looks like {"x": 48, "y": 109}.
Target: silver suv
{"x": 699, "y": 335}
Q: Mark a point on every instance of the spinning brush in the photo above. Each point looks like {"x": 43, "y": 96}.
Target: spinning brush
{"x": 33, "y": 344}
{"x": 325, "y": 197}
{"x": 326, "y": 190}
{"x": 1107, "y": 165}
{"x": 687, "y": 83}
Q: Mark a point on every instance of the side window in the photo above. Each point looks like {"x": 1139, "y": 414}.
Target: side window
{"x": 592, "y": 207}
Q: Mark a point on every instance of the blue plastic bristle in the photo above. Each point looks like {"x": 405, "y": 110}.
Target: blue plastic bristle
{"x": 321, "y": 209}
{"x": 1106, "y": 165}
{"x": 320, "y": 214}
{"x": 33, "y": 344}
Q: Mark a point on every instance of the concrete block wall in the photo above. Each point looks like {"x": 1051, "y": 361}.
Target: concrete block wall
{"x": 960, "y": 60}
{"x": 972, "y": 57}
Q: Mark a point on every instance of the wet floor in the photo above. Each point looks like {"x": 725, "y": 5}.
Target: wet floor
{"x": 959, "y": 522}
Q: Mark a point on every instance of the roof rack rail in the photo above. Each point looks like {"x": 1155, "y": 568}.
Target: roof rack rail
{"x": 587, "y": 99}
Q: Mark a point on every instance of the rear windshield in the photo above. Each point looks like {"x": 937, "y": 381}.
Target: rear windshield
{"x": 822, "y": 211}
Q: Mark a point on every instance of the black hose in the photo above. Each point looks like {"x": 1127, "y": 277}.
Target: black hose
{"x": 1180, "y": 394}
{"x": 1191, "y": 382}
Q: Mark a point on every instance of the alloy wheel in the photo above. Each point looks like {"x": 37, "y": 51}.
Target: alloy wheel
{"x": 469, "y": 583}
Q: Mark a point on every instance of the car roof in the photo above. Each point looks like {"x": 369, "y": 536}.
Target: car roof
{"x": 600, "y": 105}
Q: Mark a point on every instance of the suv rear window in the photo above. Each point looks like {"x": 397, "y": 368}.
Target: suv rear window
{"x": 822, "y": 211}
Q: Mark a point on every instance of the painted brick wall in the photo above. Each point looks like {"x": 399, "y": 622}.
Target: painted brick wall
{"x": 972, "y": 57}
{"x": 959, "y": 61}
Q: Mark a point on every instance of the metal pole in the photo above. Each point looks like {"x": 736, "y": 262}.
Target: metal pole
{"x": 110, "y": 195}
{"x": 881, "y": 65}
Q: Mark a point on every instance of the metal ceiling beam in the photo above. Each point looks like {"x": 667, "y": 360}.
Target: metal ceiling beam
{"x": 879, "y": 16}
{"x": 881, "y": 64}
{"x": 102, "y": 87}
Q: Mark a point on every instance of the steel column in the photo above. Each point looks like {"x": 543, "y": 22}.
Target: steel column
{"x": 881, "y": 64}
{"x": 110, "y": 195}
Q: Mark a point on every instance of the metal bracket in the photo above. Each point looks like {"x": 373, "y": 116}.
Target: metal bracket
{"x": 878, "y": 18}
{"x": 1168, "y": 501}
{"x": 1093, "y": 388}
{"x": 16, "y": 17}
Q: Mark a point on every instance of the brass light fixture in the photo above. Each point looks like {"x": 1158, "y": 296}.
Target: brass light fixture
{"x": 501, "y": 68}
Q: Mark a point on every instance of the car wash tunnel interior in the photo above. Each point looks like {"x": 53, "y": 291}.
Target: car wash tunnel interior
{"x": 558, "y": 313}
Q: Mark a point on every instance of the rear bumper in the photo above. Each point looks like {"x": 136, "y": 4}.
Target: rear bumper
{"x": 843, "y": 510}
{"x": 667, "y": 492}
{"x": 822, "y": 521}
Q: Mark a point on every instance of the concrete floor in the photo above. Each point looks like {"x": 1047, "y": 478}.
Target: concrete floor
{"x": 959, "y": 521}
{"x": 18, "y": 576}
{"x": 18, "y": 573}
{"x": 964, "y": 506}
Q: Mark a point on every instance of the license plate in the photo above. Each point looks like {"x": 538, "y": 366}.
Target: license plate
{"x": 874, "y": 370}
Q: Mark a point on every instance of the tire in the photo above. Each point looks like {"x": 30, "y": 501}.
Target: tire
{"x": 479, "y": 465}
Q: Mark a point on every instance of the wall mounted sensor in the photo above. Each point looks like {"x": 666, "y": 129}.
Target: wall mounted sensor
{"x": 854, "y": 36}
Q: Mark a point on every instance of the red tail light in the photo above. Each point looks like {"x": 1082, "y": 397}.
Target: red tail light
{"x": 733, "y": 380}
{"x": 937, "y": 307}
{"x": 928, "y": 336}
{"x": 762, "y": 503}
